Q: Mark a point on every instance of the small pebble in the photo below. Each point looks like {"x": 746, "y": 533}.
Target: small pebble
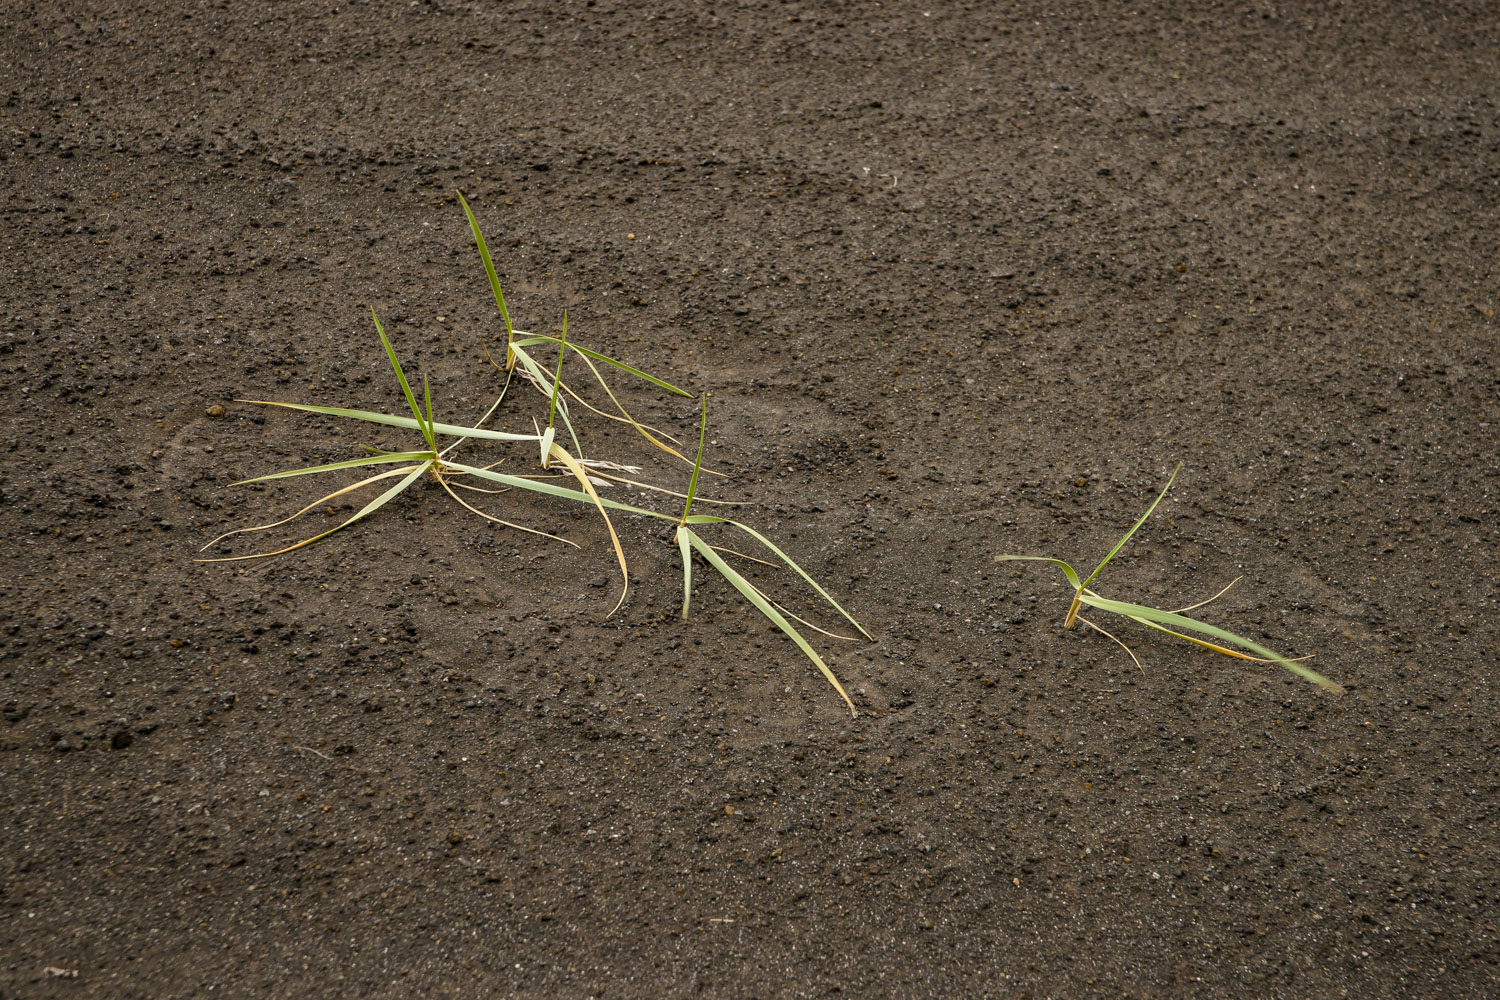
{"x": 216, "y": 410}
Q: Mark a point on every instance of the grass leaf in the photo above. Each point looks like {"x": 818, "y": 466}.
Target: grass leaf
{"x": 536, "y": 486}
{"x": 687, "y": 508}
{"x": 588, "y": 488}
{"x": 765, "y": 607}
{"x": 489, "y": 271}
{"x": 557, "y": 378}
{"x": 390, "y": 420}
{"x": 683, "y": 546}
{"x": 1140, "y": 611}
{"x": 540, "y": 338}
{"x": 365, "y": 511}
{"x": 411, "y": 400}
{"x": 1067, "y": 570}
{"x": 382, "y": 459}
{"x": 544, "y": 384}
{"x": 711, "y": 519}
{"x": 1133, "y": 528}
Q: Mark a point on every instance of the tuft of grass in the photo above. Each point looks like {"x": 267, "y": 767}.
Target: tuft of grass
{"x": 434, "y": 457}
{"x": 1169, "y": 622}
{"x": 411, "y": 465}
{"x": 689, "y": 542}
{"x": 432, "y": 460}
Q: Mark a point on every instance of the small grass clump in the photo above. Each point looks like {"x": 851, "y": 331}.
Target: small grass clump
{"x": 435, "y": 458}
{"x": 1166, "y": 621}
{"x": 411, "y": 465}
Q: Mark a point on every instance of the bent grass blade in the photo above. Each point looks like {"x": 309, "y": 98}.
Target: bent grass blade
{"x": 384, "y": 458}
{"x": 412, "y": 476}
{"x": 1150, "y": 616}
{"x": 310, "y": 507}
{"x": 788, "y": 560}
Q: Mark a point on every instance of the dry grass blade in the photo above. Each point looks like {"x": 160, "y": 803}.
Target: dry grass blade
{"x": 310, "y": 507}
{"x": 412, "y": 476}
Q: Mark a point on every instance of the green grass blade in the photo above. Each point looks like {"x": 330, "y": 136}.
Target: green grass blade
{"x": 687, "y": 508}
{"x": 1140, "y": 611}
{"x": 489, "y": 269}
{"x": 766, "y": 608}
{"x": 383, "y": 458}
{"x": 562, "y": 352}
{"x": 687, "y": 569}
{"x": 1121, "y": 543}
{"x": 711, "y": 519}
{"x": 537, "y": 486}
{"x": 390, "y": 420}
{"x": 538, "y": 338}
{"x": 411, "y": 400}
{"x": 1067, "y": 570}
{"x": 427, "y": 431}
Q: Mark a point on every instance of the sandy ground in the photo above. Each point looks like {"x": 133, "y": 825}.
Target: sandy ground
{"x": 961, "y": 281}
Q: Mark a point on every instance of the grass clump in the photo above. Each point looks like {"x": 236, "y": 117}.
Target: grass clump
{"x": 1173, "y": 623}
{"x": 432, "y": 459}
{"x": 435, "y": 457}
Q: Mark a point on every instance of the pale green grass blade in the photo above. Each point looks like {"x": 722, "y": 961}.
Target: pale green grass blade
{"x": 487, "y": 414}
{"x": 687, "y": 508}
{"x": 489, "y": 269}
{"x": 538, "y": 338}
{"x": 543, "y": 383}
{"x": 1135, "y": 527}
{"x": 624, "y": 417}
{"x": 594, "y": 471}
{"x": 687, "y": 569}
{"x": 547, "y": 437}
{"x": 764, "y": 607}
{"x": 579, "y": 496}
{"x": 389, "y": 420}
{"x": 1067, "y": 570}
{"x": 365, "y": 511}
{"x": 644, "y": 430}
{"x": 711, "y": 519}
{"x": 593, "y": 494}
{"x": 782, "y": 608}
{"x": 1169, "y": 618}
{"x": 1204, "y": 642}
{"x": 382, "y": 459}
